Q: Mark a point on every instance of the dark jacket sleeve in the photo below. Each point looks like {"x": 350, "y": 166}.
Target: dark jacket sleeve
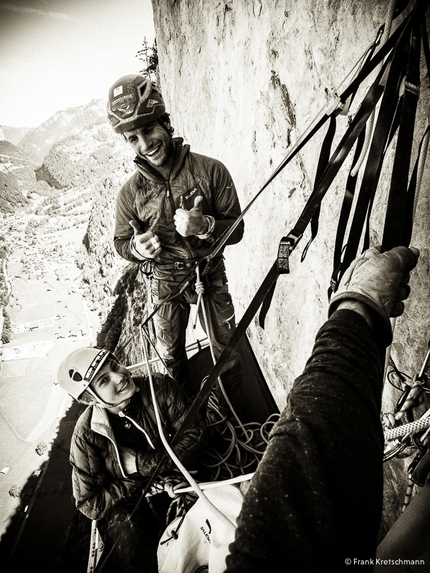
{"x": 225, "y": 204}
{"x": 173, "y": 405}
{"x": 94, "y": 487}
{"x": 315, "y": 500}
{"x": 124, "y": 213}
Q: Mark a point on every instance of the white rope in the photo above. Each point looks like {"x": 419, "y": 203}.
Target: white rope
{"x": 96, "y": 548}
{"x": 406, "y": 429}
{"x": 215, "y": 484}
{"x": 205, "y": 318}
{"x": 172, "y": 454}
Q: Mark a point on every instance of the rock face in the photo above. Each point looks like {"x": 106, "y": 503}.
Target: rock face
{"x": 243, "y": 80}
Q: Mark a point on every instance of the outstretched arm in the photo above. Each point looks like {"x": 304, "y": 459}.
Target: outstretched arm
{"x": 316, "y": 498}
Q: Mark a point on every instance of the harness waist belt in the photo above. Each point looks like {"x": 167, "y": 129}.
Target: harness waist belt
{"x": 177, "y": 265}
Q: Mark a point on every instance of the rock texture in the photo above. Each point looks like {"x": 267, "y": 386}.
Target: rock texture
{"x": 243, "y": 80}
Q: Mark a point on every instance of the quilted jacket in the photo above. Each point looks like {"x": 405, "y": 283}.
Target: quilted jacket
{"x": 152, "y": 201}
{"x": 99, "y": 481}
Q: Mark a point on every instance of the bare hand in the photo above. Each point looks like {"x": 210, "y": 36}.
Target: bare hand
{"x": 191, "y": 222}
{"x": 128, "y": 459}
{"x": 146, "y": 244}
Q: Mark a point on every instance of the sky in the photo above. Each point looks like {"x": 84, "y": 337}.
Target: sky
{"x": 57, "y": 54}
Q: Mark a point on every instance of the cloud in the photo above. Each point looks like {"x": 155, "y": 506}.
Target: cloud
{"x": 49, "y": 14}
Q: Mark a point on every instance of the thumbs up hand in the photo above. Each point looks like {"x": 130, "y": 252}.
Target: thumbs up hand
{"x": 146, "y": 244}
{"x": 191, "y": 222}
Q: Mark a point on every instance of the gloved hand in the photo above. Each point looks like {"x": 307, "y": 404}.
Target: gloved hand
{"x": 380, "y": 281}
{"x": 144, "y": 245}
{"x": 191, "y": 222}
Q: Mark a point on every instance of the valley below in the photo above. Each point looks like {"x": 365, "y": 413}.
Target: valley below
{"x": 50, "y": 317}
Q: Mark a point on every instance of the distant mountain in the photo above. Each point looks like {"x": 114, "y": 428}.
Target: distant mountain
{"x": 17, "y": 178}
{"x": 81, "y": 163}
{"x": 13, "y": 134}
{"x": 38, "y": 141}
{"x": 81, "y": 159}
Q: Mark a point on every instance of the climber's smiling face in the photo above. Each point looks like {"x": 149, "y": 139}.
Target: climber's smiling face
{"x": 113, "y": 384}
{"x": 152, "y": 143}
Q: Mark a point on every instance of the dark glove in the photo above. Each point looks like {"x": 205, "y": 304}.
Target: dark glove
{"x": 379, "y": 280}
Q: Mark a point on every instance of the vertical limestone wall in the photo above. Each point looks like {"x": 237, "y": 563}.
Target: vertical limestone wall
{"x": 243, "y": 79}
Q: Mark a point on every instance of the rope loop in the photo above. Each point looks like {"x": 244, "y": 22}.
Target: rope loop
{"x": 200, "y": 289}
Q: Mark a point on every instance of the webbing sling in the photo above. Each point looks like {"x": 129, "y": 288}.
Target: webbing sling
{"x": 307, "y": 136}
{"x": 276, "y": 269}
{"x": 384, "y": 129}
{"x": 285, "y": 247}
{"x": 410, "y": 198}
{"x": 399, "y": 214}
{"x": 396, "y": 207}
{"x": 322, "y": 165}
{"x": 351, "y": 185}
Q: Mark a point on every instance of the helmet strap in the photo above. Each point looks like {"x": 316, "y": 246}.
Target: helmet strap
{"x": 102, "y": 403}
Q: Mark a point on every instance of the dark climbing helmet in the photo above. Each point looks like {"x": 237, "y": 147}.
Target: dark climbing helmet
{"x": 133, "y": 101}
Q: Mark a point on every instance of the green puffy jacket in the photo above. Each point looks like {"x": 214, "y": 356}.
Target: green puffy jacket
{"x": 98, "y": 479}
{"x": 152, "y": 201}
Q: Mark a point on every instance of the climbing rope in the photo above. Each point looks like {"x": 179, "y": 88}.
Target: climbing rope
{"x": 171, "y": 452}
{"x": 236, "y": 448}
{"x": 405, "y": 434}
{"x": 200, "y": 289}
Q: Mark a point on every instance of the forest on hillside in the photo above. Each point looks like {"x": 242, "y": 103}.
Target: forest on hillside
{"x": 77, "y": 184}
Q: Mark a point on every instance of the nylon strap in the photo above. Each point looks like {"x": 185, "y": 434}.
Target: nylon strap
{"x": 337, "y": 159}
{"x": 375, "y": 157}
{"x": 322, "y": 165}
{"x": 396, "y": 207}
{"x": 345, "y": 211}
{"x": 410, "y": 200}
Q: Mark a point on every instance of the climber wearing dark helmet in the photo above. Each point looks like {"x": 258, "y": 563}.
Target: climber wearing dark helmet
{"x": 168, "y": 215}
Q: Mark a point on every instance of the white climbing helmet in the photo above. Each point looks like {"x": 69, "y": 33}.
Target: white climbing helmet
{"x": 79, "y": 368}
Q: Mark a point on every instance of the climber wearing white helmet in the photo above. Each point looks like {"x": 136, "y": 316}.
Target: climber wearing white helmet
{"x": 116, "y": 447}
{"x": 168, "y": 215}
